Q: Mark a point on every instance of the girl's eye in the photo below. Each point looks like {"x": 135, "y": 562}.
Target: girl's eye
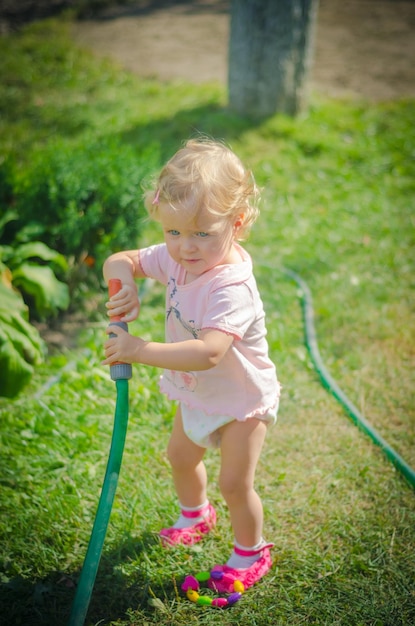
{"x": 202, "y": 234}
{"x": 173, "y": 232}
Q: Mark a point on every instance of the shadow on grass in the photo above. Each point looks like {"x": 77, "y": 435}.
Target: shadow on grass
{"x": 169, "y": 133}
{"x": 48, "y": 602}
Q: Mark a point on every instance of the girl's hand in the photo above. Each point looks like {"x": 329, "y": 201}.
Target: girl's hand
{"x": 123, "y": 347}
{"x": 125, "y": 304}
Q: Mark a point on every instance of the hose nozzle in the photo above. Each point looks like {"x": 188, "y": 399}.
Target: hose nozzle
{"x": 118, "y": 371}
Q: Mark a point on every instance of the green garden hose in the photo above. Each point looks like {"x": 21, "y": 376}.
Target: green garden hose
{"x": 330, "y": 384}
{"x": 120, "y": 373}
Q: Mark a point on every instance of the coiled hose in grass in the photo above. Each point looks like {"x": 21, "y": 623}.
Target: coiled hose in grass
{"x": 120, "y": 373}
{"x": 332, "y": 386}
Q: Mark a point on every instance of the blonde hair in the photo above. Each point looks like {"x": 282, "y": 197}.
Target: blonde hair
{"x": 206, "y": 174}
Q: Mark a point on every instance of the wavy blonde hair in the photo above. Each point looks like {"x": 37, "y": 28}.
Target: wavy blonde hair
{"x": 206, "y": 174}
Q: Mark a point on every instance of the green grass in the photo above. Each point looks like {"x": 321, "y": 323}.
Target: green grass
{"x": 338, "y": 207}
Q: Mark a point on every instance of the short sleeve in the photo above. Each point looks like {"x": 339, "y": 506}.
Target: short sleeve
{"x": 230, "y": 309}
{"x": 154, "y": 262}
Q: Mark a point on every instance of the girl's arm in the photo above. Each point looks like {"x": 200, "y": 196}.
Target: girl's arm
{"x": 125, "y": 266}
{"x": 190, "y": 355}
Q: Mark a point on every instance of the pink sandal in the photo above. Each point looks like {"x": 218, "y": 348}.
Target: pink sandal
{"x": 222, "y": 577}
{"x": 192, "y": 534}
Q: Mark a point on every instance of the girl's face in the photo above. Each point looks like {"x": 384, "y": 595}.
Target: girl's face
{"x": 198, "y": 243}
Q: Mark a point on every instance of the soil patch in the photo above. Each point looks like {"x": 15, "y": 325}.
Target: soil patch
{"x": 363, "y": 48}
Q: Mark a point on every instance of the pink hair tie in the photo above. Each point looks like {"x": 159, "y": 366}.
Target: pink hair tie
{"x": 156, "y": 197}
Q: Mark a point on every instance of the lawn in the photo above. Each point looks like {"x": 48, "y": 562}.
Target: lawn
{"x": 338, "y": 209}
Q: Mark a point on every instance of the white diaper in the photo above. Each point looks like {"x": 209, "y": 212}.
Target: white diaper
{"x": 203, "y": 429}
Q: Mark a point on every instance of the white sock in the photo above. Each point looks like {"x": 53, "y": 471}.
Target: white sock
{"x": 236, "y": 561}
{"x": 186, "y": 522}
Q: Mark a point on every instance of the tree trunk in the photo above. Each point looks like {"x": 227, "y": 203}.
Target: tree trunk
{"x": 270, "y": 52}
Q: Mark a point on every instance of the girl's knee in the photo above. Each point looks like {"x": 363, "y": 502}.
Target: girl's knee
{"x": 233, "y": 486}
{"x": 183, "y": 454}
{"x": 175, "y": 454}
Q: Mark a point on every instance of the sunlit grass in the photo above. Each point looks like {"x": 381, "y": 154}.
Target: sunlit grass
{"x": 338, "y": 206}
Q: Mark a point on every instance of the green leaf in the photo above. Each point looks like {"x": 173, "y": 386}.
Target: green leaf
{"x": 21, "y": 346}
{"x": 40, "y": 282}
{"x": 38, "y": 250}
{"x": 6, "y": 218}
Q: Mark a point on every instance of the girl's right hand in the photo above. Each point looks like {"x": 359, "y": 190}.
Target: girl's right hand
{"x": 125, "y": 303}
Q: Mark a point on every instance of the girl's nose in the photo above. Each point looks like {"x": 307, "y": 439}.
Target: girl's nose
{"x": 187, "y": 243}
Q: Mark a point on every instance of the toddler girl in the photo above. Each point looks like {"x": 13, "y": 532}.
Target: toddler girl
{"x": 215, "y": 358}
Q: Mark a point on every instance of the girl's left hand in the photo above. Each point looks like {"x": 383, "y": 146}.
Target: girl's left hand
{"x": 123, "y": 347}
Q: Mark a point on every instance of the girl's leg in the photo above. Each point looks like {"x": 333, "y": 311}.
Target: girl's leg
{"x": 197, "y": 517}
{"x": 189, "y": 472}
{"x": 241, "y": 445}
